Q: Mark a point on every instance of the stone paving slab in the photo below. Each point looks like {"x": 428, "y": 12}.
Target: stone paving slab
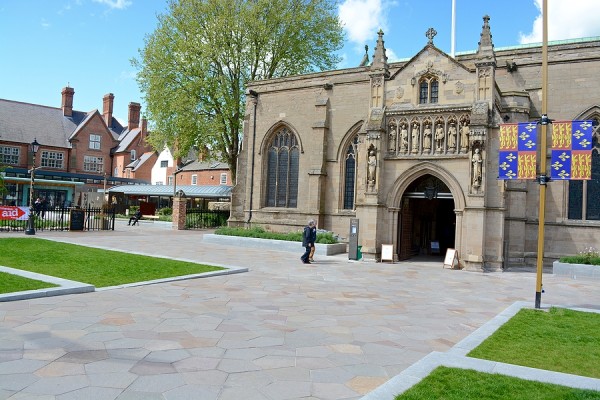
{"x": 335, "y": 329}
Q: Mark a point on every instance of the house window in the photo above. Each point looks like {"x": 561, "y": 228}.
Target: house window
{"x": 223, "y": 179}
{"x": 164, "y": 164}
{"x": 132, "y": 155}
{"x": 9, "y": 155}
{"x": 194, "y": 180}
{"x": 282, "y": 170}
{"x": 94, "y": 164}
{"x": 116, "y": 173}
{"x": 350, "y": 174}
{"x": 95, "y": 142}
{"x": 428, "y": 90}
{"x": 52, "y": 159}
{"x": 169, "y": 181}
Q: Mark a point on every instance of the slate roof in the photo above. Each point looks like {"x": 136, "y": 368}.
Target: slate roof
{"x": 140, "y": 161}
{"x": 24, "y": 122}
{"x": 167, "y": 190}
{"x": 205, "y": 165}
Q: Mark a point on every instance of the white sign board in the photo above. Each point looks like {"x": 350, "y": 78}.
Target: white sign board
{"x": 451, "y": 258}
{"x": 387, "y": 252}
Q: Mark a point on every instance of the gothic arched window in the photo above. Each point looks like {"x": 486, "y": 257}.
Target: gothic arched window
{"x": 428, "y": 90}
{"x": 350, "y": 174}
{"x": 584, "y": 195}
{"x": 283, "y": 161}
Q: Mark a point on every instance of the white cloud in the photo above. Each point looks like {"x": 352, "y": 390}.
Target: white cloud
{"x": 45, "y": 24}
{"x": 566, "y": 20}
{"x": 362, "y": 19}
{"x": 119, "y": 4}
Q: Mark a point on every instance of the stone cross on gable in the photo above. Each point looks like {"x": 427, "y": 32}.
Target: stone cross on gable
{"x": 430, "y": 35}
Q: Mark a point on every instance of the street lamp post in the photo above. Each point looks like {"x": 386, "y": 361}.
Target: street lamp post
{"x": 34, "y": 147}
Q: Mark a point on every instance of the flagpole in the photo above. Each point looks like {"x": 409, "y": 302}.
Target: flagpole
{"x": 543, "y": 179}
{"x": 453, "y": 30}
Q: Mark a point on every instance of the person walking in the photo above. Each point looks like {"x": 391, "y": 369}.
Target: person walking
{"x": 313, "y": 233}
{"x": 307, "y": 241}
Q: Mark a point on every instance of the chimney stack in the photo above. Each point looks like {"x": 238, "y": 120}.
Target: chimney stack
{"x": 67, "y": 101}
{"x": 107, "y": 108}
{"x": 144, "y": 127}
{"x": 134, "y": 115}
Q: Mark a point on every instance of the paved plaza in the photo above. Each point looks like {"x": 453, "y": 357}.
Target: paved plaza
{"x": 336, "y": 329}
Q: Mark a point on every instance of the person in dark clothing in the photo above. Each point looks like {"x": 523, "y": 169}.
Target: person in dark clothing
{"x": 307, "y": 240}
{"x": 313, "y": 233}
{"x": 135, "y": 218}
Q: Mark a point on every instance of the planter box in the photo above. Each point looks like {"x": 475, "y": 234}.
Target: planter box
{"x": 269, "y": 244}
{"x": 576, "y": 271}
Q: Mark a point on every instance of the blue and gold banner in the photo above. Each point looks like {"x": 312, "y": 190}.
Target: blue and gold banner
{"x": 571, "y": 150}
{"x": 518, "y": 151}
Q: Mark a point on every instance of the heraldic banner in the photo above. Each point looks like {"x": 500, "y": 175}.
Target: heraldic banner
{"x": 518, "y": 151}
{"x": 571, "y": 150}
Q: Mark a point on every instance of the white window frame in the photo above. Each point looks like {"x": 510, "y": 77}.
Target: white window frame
{"x": 132, "y": 155}
{"x": 194, "y": 180}
{"x": 95, "y": 141}
{"x": 93, "y": 164}
{"x": 223, "y": 180}
{"x": 164, "y": 163}
{"x": 9, "y": 155}
{"x": 52, "y": 159}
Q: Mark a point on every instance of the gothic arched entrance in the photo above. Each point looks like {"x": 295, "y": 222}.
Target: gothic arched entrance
{"x": 426, "y": 221}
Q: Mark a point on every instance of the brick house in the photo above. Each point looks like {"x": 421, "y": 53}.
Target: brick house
{"x": 79, "y": 151}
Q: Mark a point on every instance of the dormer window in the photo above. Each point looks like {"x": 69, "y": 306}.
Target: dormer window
{"x": 428, "y": 90}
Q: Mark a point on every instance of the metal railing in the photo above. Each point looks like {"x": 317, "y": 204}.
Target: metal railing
{"x": 197, "y": 218}
{"x": 66, "y": 219}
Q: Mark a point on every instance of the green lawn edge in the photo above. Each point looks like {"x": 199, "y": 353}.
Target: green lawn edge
{"x": 11, "y": 283}
{"x": 98, "y": 267}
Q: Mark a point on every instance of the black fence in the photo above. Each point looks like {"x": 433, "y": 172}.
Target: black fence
{"x": 66, "y": 219}
{"x": 197, "y": 218}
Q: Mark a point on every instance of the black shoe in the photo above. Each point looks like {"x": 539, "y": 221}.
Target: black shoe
{"x": 306, "y": 262}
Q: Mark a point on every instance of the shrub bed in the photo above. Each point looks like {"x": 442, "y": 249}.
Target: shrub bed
{"x": 259, "y": 232}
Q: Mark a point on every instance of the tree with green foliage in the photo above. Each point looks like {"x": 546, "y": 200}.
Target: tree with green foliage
{"x": 194, "y": 67}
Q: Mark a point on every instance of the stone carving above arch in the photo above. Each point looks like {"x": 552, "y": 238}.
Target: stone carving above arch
{"x": 426, "y": 168}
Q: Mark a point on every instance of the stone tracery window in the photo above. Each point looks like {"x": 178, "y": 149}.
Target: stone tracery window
{"x": 283, "y": 161}
{"x": 428, "y": 90}
{"x": 584, "y": 194}
{"x": 350, "y": 174}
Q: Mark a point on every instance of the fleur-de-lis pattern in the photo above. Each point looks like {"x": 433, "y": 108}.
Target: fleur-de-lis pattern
{"x": 571, "y": 150}
{"x": 518, "y": 151}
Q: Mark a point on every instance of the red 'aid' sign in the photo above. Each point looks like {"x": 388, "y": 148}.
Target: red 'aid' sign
{"x": 13, "y": 213}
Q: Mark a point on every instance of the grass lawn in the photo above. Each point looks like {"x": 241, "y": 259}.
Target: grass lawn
{"x": 10, "y": 283}
{"x": 97, "y": 267}
{"x": 559, "y": 340}
{"x": 462, "y": 384}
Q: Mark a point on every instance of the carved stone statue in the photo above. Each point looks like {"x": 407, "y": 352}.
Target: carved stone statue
{"x": 452, "y": 136}
{"x": 372, "y": 165}
{"x": 392, "y": 139}
{"x": 415, "y": 138}
{"x": 477, "y": 161}
{"x": 464, "y": 138}
{"x": 404, "y": 138}
{"x": 439, "y": 137}
{"x": 427, "y": 138}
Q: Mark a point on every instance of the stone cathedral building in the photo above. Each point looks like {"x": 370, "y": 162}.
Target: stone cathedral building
{"x": 410, "y": 149}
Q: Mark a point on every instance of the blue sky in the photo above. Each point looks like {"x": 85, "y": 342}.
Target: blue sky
{"x": 88, "y": 44}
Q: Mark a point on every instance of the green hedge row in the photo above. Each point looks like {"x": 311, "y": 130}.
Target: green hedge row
{"x": 258, "y": 232}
